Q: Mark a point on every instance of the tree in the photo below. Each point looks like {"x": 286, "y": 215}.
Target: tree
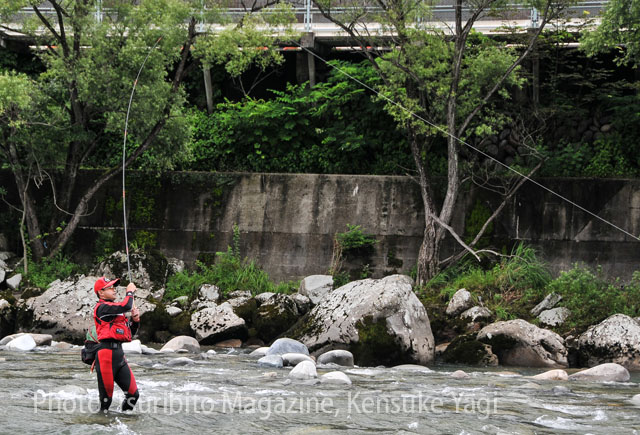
{"x": 91, "y": 65}
{"x": 449, "y": 79}
{"x": 619, "y": 30}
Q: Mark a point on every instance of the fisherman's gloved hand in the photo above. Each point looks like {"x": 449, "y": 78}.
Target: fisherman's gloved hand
{"x": 131, "y": 287}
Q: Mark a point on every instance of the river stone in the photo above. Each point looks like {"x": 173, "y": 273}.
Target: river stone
{"x": 61, "y": 345}
{"x": 412, "y": 368}
{"x": 23, "y": 343}
{"x": 181, "y": 342}
{"x": 212, "y": 325}
{"x": 173, "y": 311}
{"x": 338, "y": 356}
{"x": 232, "y": 342}
{"x": 477, "y": 313}
{"x": 554, "y": 316}
{"x": 65, "y": 309}
{"x": 287, "y": 345}
{"x": 239, "y": 294}
{"x": 519, "y": 343}
{"x": 244, "y": 307}
{"x": 336, "y": 377}
{"x": 274, "y": 316}
{"x": 550, "y": 301}
{"x": 292, "y": 359}
{"x": 459, "y": 374}
{"x": 316, "y": 287}
{"x": 180, "y": 361}
{"x": 259, "y": 352}
{"x": 2, "y": 275}
{"x": 209, "y": 292}
{"x": 14, "y": 282}
{"x": 378, "y": 321}
{"x": 271, "y": 361}
{"x": 6, "y": 339}
{"x": 40, "y": 339}
{"x": 303, "y": 302}
{"x": 552, "y": 375}
{"x": 635, "y": 400}
{"x": 610, "y": 372}
{"x": 304, "y": 370}
{"x": 465, "y": 349}
{"x": 461, "y": 301}
{"x": 146, "y": 350}
{"x": 616, "y": 339}
{"x": 180, "y": 301}
{"x": 132, "y": 347}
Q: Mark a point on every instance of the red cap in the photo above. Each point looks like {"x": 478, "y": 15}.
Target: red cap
{"x": 103, "y": 283}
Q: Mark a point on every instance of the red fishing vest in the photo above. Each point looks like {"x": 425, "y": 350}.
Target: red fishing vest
{"x": 117, "y": 329}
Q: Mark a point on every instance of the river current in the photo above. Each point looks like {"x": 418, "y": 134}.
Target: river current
{"x": 52, "y": 392}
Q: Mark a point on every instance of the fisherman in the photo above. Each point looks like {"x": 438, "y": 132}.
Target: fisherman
{"x": 113, "y": 328}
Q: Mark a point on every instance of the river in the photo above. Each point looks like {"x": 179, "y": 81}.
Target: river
{"x": 52, "y": 392}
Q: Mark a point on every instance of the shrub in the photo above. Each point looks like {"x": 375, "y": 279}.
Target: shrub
{"x": 49, "y": 269}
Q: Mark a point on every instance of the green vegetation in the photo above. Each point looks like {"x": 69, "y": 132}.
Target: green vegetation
{"x": 43, "y": 273}
{"x": 515, "y": 284}
{"x": 355, "y": 243}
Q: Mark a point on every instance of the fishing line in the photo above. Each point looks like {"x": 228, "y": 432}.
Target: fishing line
{"x": 515, "y": 171}
{"x": 124, "y": 157}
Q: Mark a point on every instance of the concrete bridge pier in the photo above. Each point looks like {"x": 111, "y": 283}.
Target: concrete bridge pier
{"x": 306, "y": 61}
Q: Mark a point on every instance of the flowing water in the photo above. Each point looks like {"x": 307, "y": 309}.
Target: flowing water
{"x": 50, "y": 392}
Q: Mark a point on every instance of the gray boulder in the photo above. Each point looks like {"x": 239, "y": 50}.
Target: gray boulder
{"x": 148, "y": 270}
{"x": 316, "y": 287}
{"x": 2, "y": 275}
{"x": 554, "y": 316}
{"x": 338, "y": 356}
{"x": 304, "y": 370}
{"x": 22, "y": 343}
{"x": 212, "y": 325}
{"x": 263, "y": 297}
{"x": 259, "y": 352}
{"x": 550, "y": 301}
{"x": 303, "y": 302}
{"x": 182, "y": 342}
{"x": 379, "y": 321}
{"x": 271, "y": 361}
{"x": 519, "y": 343}
{"x": 274, "y": 316}
{"x": 293, "y": 359}
{"x": 460, "y": 301}
{"x": 287, "y": 345}
{"x": 14, "y": 282}
{"x": 552, "y": 375}
{"x": 209, "y": 292}
{"x": 173, "y": 311}
{"x": 336, "y": 378}
{"x": 609, "y": 372}
{"x": 616, "y": 340}
{"x": 65, "y": 309}
{"x": 477, "y": 313}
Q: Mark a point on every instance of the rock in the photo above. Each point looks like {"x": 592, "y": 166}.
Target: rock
{"x": 316, "y": 287}
{"x": 441, "y": 348}
{"x": 338, "y": 356}
{"x": 477, "y": 313}
{"x": 303, "y": 302}
{"x": 181, "y": 301}
{"x": 181, "y": 361}
{"x": 293, "y": 359}
{"x": 304, "y": 370}
{"x": 40, "y": 339}
{"x": 61, "y": 345}
{"x": 2, "y": 275}
{"x": 561, "y": 390}
{"x": 461, "y": 301}
{"x": 550, "y": 301}
{"x": 378, "y": 321}
{"x": 263, "y": 297}
{"x": 240, "y": 294}
{"x": 181, "y": 342}
{"x": 465, "y": 349}
{"x": 209, "y": 292}
{"x": 635, "y": 400}
{"x": 65, "y": 309}
{"x": 616, "y": 339}
{"x": 412, "y": 368}
{"x": 22, "y": 343}
{"x": 552, "y": 375}
{"x": 232, "y": 342}
{"x": 287, "y": 345}
{"x": 14, "y": 282}
{"x": 336, "y": 378}
{"x": 132, "y": 347}
{"x": 271, "y": 361}
{"x": 274, "y": 316}
{"x": 173, "y": 311}
{"x": 606, "y": 128}
{"x": 148, "y": 350}
{"x": 148, "y": 270}
{"x": 244, "y": 307}
{"x": 259, "y": 352}
{"x": 610, "y": 372}
{"x": 459, "y": 374}
{"x": 212, "y": 325}
{"x": 554, "y": 316}
{"x": 8, "y": 338}
{"x": 175, "y": 265}
{"x": 519, "y": 343}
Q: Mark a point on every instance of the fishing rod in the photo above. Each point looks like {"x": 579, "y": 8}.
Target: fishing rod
{"x": 124, "y": 157}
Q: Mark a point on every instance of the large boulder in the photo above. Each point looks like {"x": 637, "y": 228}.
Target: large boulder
{"x": 609, "y": 372}
{"x": 379, "y": 321}
{"x": 316, "y": 287}
{"x": 212, "y": 325}
{"x": 519, "y": 343}
{"x": 65, "y": 309}
{"x": 615, "y": 340}
{"x": 275, "y": 315}
{"x": 182, "y": 342}
{"x": 465, "y": 349}
{"x": 149, "y": 270}
{"x": 287, "y": 345}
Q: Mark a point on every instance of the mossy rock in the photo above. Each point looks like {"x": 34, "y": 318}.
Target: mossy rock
{"x": 152, "y": 321}
{"x": 465, "y": 349}
{"x": 8, "y": 296}
{"x": 180, "y": 325}
{"x": 275, "y": 317}
{"x": 245, "y": 309}
{"x": 376, "y": 346}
